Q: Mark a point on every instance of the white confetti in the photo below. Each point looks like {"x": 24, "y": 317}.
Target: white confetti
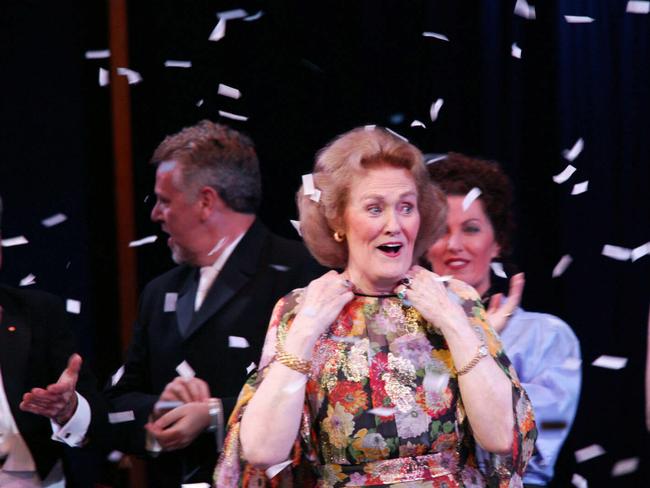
{"x": 115, "y": 378}
{"x": 199, "y": 103}
{"x": 217, "y": 246}
{"x": 579, "y": 188}
{"x": 417, "y": 123}
{"x": 435, "y": 158}
{"x": 578, "y": 19}
{"x": 382, "y": 411}
{"x": 98, "y": 54}
{"x": 54, "y": 220}
{"x": 184, "y": 370}
{"x": 251, "y": 367}
{"x": 219, "y": 31}
{"x": 564, "y": 175}
{"x": 498, "y": 270}
{"x": 610, "y": 362}
{"x": 472, "y": 195}
{"x": 273, "y": 471}
{"x": 237, "y": 342}
{"x": 522, "y": 9}
{"x": 73, "y": 306}
{"x": 232, "y": 14}
{"x": 578, "y": 481}
{"x": 30, "y": 279}
{"x": 589, "y": 452}
{"x": 315, "y": 197}
{"x": 637, "y": 7}
{"x": 639, "y": 252}
{"x": 170, "y": 302}
{"x": 435, "y": 35}
{"x": 171, "y": 63}
{"x": 143, "y": 241}
{"x": 255, "y": 16}
{"x": 396, "y": 134}
{"x": 294, "y": 386}
{"x": 308, "y": 186}
{"x": 104, "y": 78}
{"x": 228, "y": 91}
{"x": 115, "y": 456}
{"x": 443, "y": 278}
{"x": 625, "y": 466}
{"x": 574, "y": 152}
{"x": 369, "y": 127}
{"x": 616, "y": 252}
{"x": 228, "y": 115}
{"x": 435, "y": 109}
{"x": 515, "y": 51}
{"x": 132, "y": 76}
{"x": 572, "y": 364}
{"x": 435, "y": 383}
{"x": 195, "y": 485}
{"x": 562, "y": 265}
{"x": 119, "y": 417}
{"x": 14, "y": 241}
{"x": 280, "y": 267}
{"x": 166, "y": 405}
{"x": 296, "y": 225}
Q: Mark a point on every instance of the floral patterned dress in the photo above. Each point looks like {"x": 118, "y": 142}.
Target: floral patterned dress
{"x": 383, "y": 406}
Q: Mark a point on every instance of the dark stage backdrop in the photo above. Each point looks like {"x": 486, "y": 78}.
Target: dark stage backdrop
{"x": 310, "y": 70}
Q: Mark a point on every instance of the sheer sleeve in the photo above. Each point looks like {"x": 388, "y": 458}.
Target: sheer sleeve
{"x": 232, "y": 470}
{"x": 502, "y": 470}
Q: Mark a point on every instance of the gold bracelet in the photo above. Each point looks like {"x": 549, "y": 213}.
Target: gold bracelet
{"x": 286, "y": 358}
{"x": 481, "y": 352}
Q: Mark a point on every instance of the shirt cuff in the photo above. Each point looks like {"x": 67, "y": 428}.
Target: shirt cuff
{"x": 74, "y": 431}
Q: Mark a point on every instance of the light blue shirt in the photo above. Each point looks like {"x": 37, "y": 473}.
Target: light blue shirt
{"x": 546, "y": 355}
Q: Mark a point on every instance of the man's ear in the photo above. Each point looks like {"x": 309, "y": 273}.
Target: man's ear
{"x": 210, "y": 201}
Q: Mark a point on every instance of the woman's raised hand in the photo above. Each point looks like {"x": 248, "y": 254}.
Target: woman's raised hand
{"x": 499, "y": 310}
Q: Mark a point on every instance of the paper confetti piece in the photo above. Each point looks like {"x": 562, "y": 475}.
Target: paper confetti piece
{"x": 143, "y": 241}
{"x": 195, "y": 485}
{"x": 170, "y": 63}
{"x": 578, "y": 19}
{"x": 572, "y": 364}
{"x": 296, "y": 225}
{"x": 237, "y": 342}
{"x": 616, "y": 252}
{"x": 625, "y": 466}
{"x": 574, "y": 152}
{"x": 120, "y": 417}
{"x": 610, "y": 362}
{"x": 580, "y": 188}
{"x": 115, "y": 378}
{"x": 132, "y": 76}
{"x": 255, "y": 16}
{"x": 498, "y": 270}
{"x": 167, "y": 404}
{"x": 251, "y": 367}
{"x": 14, "y": 241}
{"x": 54, "y": 220}
{"x": 515, "y": 51}
{"x": 104, "y": 77}
{"x": 232, "y": 14}
{"x": 228, "y": 115}
{"x": 294, "y": 386}
{"x": 564, "y": 175}
{"x": 28, "y": 280}
{"x": 276, "y": 468}
{"x": 396, "y": 134}
{"x": 637, "y": 7}
{"x": 199, "y": 103}
{"x": 382, "y": 411}
{"x": 315, "y": 197}
{"x": 73, "y": 306}
{"x": 417, "y": 123}
{"x": 170, "y": 302}
{"x": 522, "y": 9}
{"x": 219, "y": 31}
{"x": 472, "y": 195}
{"x": 369, "y": 127}
{"x": 578, "y": 481}
{"x": 308, "y": 184}
{"x": 589, "y": 452}
{"x": 434, "y": 158}
{"x": 115, "y": 456}
{"x": 443, "y": 278}
{"x": 639, "y": 252}
{"x": 435, "y": 109}
{"x": 562, "y": 265}
{"x": 217, "y": 246}
{"x": 184, "y": 370}
{"x": 280, "y": 267}
{"x": 228, "y": 91}
{"x": 435, "y": 35}
{"x": 98, "y": 54}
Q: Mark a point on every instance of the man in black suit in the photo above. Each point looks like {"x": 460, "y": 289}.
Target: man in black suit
{"x": 45, "y": 394}
{"x": 201, "y": 326}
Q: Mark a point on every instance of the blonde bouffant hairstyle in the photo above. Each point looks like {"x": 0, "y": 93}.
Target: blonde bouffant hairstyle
{"x": 350, "y": 156}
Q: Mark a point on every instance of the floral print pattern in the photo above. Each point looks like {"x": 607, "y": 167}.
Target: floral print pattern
{"x": 381, "y": 355}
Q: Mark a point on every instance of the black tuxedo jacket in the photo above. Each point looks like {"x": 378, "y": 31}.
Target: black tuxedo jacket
{"x": 262, "y": 269}
{"x": 35, "y": 345}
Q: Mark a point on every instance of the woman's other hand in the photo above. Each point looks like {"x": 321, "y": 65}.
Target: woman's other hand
{"x": 500, "y": 310}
